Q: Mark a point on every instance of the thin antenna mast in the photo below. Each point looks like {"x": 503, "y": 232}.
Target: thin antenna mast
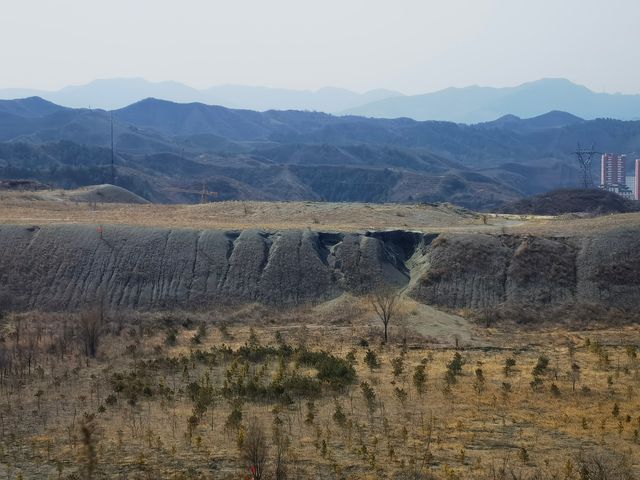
{"x": 113, "y": 167}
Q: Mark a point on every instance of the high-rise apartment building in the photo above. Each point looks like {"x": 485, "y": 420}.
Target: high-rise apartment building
{"x": 631, "y": 184}
{"x": 613, "y": 169}
{"x": 637, "y": 182}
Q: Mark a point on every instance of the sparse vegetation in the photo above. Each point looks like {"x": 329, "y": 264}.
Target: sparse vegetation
{"x": 256, "y": 402}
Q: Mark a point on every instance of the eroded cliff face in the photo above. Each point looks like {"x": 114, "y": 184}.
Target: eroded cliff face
{"x": 479, "y": 271}
{"x": 68, "y": 267}
{"x": 72, "y": 267}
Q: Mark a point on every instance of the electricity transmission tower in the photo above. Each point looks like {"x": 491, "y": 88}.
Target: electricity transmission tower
{"x": 205, "y": 194}
{"x": 585, "y": 157}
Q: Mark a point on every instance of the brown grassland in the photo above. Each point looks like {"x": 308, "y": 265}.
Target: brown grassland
{"x": 47, "y": 207}
{"x": 313, "y": 393}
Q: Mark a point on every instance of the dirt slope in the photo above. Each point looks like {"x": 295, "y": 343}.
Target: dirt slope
{"x": 479, "y": 270}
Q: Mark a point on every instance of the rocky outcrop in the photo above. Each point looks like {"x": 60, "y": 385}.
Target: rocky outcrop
{"x": 74, "y": 266}
{"x": 462, "y": 271}
{"x": 609, "y": 270}
{"x": 477, "y": 271}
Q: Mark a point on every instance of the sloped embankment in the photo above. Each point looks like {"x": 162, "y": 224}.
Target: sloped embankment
{"x": 488, "y": 270}
{"x": 62, "y": 267}
{"x": 73, "y": 266}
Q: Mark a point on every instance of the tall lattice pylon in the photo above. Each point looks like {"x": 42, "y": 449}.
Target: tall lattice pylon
{"x": 204, "y": 198}
{"x": 585, "y": 158}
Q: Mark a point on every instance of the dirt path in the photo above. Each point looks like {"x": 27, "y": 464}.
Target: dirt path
{"x": 441, "y": 327}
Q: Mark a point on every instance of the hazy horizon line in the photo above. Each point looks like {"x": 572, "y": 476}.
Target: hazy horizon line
{"x": 308, "y": 90}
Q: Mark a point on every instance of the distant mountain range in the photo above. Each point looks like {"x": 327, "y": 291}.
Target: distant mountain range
{"x": 119, "y": 92}
{"x": 165, "y": 151}
{"x": 481, "y": 104}
{"x": 462, "y": 105}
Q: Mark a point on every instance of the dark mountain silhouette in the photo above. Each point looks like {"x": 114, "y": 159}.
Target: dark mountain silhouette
{"x": 194, "y": 119}
{"x": 30, "y": 107}
{"x": 554, "y": 119}
{"x": 120, "y": 92}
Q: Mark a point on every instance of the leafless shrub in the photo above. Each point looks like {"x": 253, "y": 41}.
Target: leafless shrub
{"x": 6, "y": 302}
{"x": 604, "y": 467}
{"x": 254, "y": 450}
{"x": 88, "y": 453}
{"x": 91, "y": 329}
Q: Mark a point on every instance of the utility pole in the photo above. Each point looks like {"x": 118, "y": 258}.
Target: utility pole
{"x": 113, "y": 166}
{"x": 205, "y": 195}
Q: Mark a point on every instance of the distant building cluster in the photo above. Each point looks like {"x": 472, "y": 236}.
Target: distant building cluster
{"x": 613, "y": 176}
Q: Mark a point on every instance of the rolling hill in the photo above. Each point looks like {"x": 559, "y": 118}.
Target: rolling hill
{"x": 166, "y": 151}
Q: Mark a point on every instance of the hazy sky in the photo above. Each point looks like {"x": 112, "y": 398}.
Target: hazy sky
{"x": 409, "y": 45}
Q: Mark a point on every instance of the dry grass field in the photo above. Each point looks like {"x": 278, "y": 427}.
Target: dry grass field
{"x": 36, "y": 208}
{"x": 50, "y": 208}
{"x": 312, "y": 393}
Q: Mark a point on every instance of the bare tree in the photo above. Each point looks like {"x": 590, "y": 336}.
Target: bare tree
{"x": 5, "y": 363}
{"x": 6, "y": 303}
{"x": 574, "y": 374}
{"x": 91, "y": 326}
{"x": 31, "y": 348}
{"x": 385, "y": 303}
{"x": 88, "y": 454}
{"x": 281, "y": 441}
{"x": 254, "y": 450}
{"x": 63, "y": 338}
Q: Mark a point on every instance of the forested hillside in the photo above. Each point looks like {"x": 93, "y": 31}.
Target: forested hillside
{"x": 166, "y": 151}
